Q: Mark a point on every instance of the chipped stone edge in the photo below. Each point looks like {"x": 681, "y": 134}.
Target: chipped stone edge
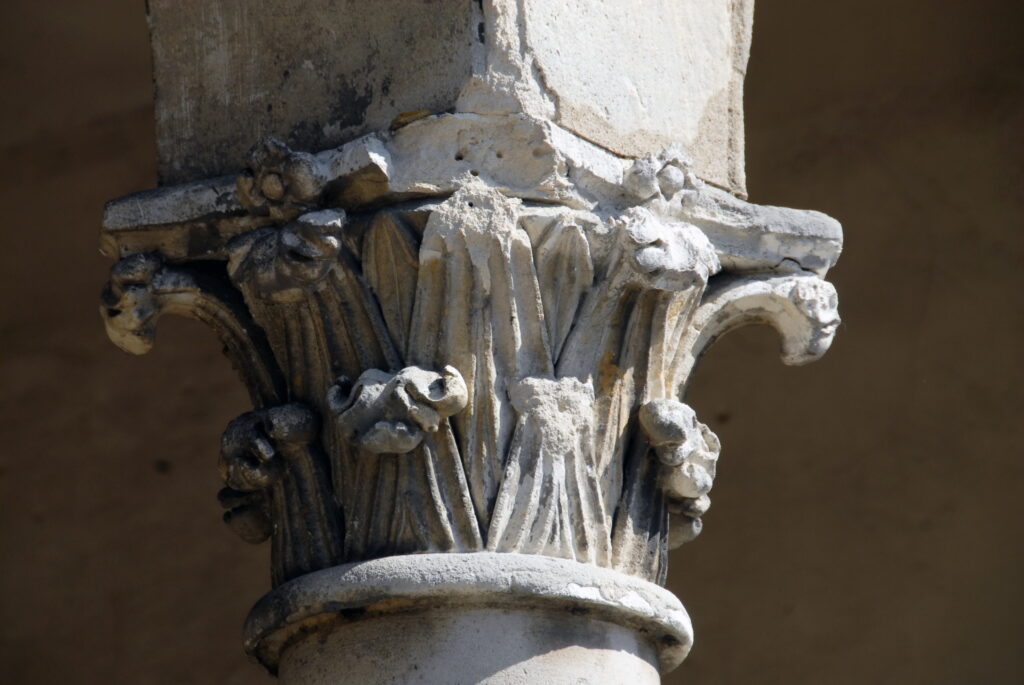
{"x": 521, "y": 157}
{"x": 422, "y": 582}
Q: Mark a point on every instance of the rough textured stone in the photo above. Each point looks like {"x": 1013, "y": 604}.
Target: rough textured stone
{"x": 469, "y": 333}
{"x": 635, "y": 76}
{"x": 915, "y": 571}
{"x": 358, "y": 602}
{"x": 314, "y": 73}
{"x": 631, "y": 77}
{"x": 443, "y": 365}
{"x": 477, "y": 360}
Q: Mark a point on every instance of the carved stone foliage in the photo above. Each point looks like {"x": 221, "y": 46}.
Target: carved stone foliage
{"x": 458, "y": 366}
{"x": 274, "y": 454}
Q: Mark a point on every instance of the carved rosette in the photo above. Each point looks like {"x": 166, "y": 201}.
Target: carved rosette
{"x": 443, "y": 361}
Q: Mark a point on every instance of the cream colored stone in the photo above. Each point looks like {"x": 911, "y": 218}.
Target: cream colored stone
{"x": 521, "y": 157}
{"x": 631, "y": 77}
{"x": 502, "y": 347}
{"x": 468, "y": 646}
{"x": 635, "y": 76}
{"x": 441, "y": 618}
{"x": 468, "y": 333}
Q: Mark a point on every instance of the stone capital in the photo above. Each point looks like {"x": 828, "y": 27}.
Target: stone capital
{"x": 467, "y": 328}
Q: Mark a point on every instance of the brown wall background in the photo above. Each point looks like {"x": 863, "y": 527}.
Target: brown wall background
{"x": 867, "y": 522}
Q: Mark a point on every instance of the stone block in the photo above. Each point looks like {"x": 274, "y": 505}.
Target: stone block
{"x": 632, "y": 76}
{"x": 314, "y": 73}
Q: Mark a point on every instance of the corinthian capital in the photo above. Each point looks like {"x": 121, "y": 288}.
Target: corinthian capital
{"x": 468, "y": 335}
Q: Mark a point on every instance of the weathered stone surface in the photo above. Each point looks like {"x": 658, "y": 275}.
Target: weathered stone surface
{"x": 469, "y": 646}
{"x": 314, "y": 73}
{"x": 480, "y": 350}
{"x": 631, "y": 77}
{"x": 518, "y": 156}
{"x": 429, "y": 612}
{"x": 467, "y": 370}
{"x": 80, "y": 132}
{"x": 470, "y": 333}
{"x": 553, "y": 326}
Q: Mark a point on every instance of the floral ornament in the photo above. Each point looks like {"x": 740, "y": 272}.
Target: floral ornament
{"x": 280, "y": 182}
{"x": 662, "y": 176}
{"x": 389, "y": 413}
{"x": 688, "y": 451}
{"x": 280, "y": 263}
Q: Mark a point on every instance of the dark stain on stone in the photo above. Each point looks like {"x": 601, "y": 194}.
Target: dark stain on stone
{"x": 203, "y": 238}
{"x": 348, "y": 111}
{"x": 480, "y": 33}
{"x": 350, "y": 107}
{"x": 307, "y": 135}
{"x": 163, "y": 466}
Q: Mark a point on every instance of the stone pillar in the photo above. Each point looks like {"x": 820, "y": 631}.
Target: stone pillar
{"x": 465, "y": 256}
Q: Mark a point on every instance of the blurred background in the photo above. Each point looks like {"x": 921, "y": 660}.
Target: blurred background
{"x": 867, "y": 523}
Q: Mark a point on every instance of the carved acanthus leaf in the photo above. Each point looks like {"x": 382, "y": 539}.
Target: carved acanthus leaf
{"x": 479, "y": 309}
{"x": 408, "y": 490}
{"x": 565, "y": 271}
{"x": 280, "y": 264}
{"x": 305, "y": 288}
{"x": 664, "y": 255}
{"x": 519, "y": 331}
{"x": 550, "y": 501}
{"x": 391, "y": 265}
